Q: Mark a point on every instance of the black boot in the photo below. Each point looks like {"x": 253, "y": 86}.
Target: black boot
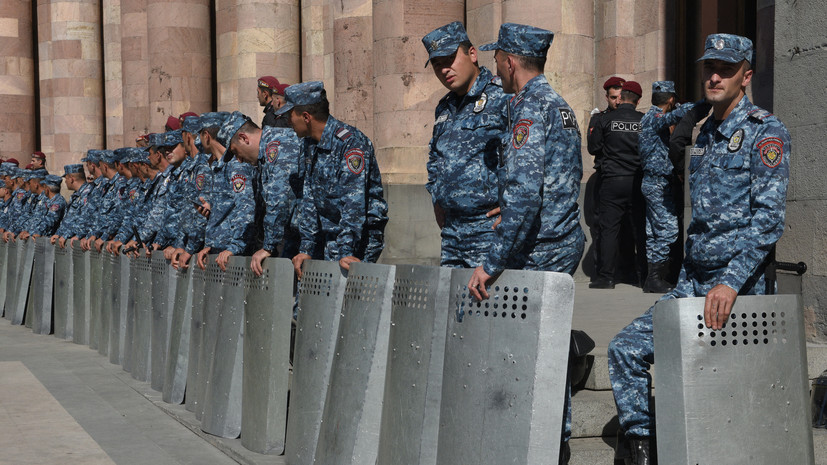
{"x": 639, "y": 449}
{"x": 565, "y": 453}
{"x": 654, "y": 281}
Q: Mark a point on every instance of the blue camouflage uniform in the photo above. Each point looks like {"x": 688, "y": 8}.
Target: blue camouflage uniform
{"x": 151, "y": 230}
{"x": 539, "y": 179}
{"x": 77, "y": 201}
{"x": 653, "y": 147}
{"x": 46, "y": 222}
{"x": 280, "y": 189}
{"x": 739, "y": 172}
{"x": 110, "y": 209}
{"x": 463, "y": 155}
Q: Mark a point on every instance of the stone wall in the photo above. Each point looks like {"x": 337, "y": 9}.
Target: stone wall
{"x": 800, "y": 96}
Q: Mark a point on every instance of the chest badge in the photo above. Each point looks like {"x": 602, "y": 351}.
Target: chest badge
{"x": 480, "y": 103}
{"x": 736, "y": 140}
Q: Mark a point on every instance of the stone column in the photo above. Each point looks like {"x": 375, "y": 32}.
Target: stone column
{"x": 353, "y": 63}
{"x": 71, "y": 78}
{"x": 317, "y": 44}
{"x": 17, "y": 105}
{"x": 180, "y": 61}
{"x": 255, "y": 38}
{"x": 112, "y": 75}
{"x": 135, "y": 70}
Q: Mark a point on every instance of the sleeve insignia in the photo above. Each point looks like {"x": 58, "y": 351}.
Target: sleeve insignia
{"x": 442, "y": 118}
{"x": 520, "y": 136}
{"x": 54, "y": 207}
{"x": 355, "y": 160}
{"x": 133, "y": 194}
{"x": 238, "y": 181}
{"x": 272, "y": 151}
{"x": 568, "y": 119}
{"x": 343, "y": 134}
{"x": 697, "y": 151}
{"x": 771, "y": 150}
{"x": 20, "y": 195}
{"x": 479, "y": 105}
{"x": 736, "y": 140}
{"x": 199, "y": 182}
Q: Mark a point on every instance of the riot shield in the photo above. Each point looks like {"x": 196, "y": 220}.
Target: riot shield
{"x": 142, "y": 333}
{"x": 213, "y": 300}
{"x": 96, "y": 290}
{"x": 119, "y": 295}
{"x": 43, "y": 285}
{"x": 161, "y": 318}
{"x": 80, "y": 295}
{"x": 196, "y": 335}
{"x": 177, "y": 362}
{"x": 4, "y": 270}
{"x": 63, "y": 292}
{"x": 25, "y": 264}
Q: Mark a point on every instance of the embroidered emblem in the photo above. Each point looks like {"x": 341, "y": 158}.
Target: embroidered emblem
{"x": 54, "y": 207}
{"x": 272, "y": 151}
{"x": 771, "y": 150}
{"x": 520, "y": 136}
{"x": 199, "y": 182}
{"x": 442, "y": 118}
{"x": 480, "y": 103}
{"x": 719, "y": 45}
{"x": 355, "y": 160}
{"x": 133, "y": 194}
{"x": 736, "y": 140}
{"x": 20, "y": 195}
{"x": 568, "y": 119}
{"x": 238, "y": 181}
{"x": 697, "y": 151}
{"x": 343, "y": 133}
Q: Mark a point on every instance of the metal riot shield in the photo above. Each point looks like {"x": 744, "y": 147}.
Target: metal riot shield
{"x": 43, "y": 285}
{"x": 196, "y": 334}
{"x": 321, "y": 292}
{"x": 353, "y": 406}
{"x": 177, "y": 362}
{"x": 24, "y": 275}
{"x": 119, "y": 294}
{"x": 33, "y": 314}
{"x": 80, "y": 296}
{"x": 129, "y": 327}
{"x": 96, "y": 290}
{"x": 13, "y": 254}
{"x": 142, "y": 333}
{"x": 222, "y": 398}
{"x": 109, "y": 287}
{"x": 504, "y": 375}
{"x": 414, "y": 379}
{"x": 737, "y": 395}
{"x": 269, "y": 312}
{"x": 161, "y": 318}
{"x": 63, "y": 287}
{"x": 4, "y": 270}
{"x": 213, "y": 302}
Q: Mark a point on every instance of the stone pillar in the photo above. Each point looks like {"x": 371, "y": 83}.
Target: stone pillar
{"x": 353, "y": 63}
{"x": 255, "y": 38}
{"x": 71, "y": 78}
{"x": 135, "y": 70}
{"x": 317, "y": 44}
{"x": 180, "y": 61}
{"x": 113, "y": 77}
{"x": 17, "y": 105}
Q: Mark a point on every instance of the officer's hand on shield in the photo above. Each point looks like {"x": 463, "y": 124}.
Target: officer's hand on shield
{"x": 169, "y": 252}
{"x": 181, "y": 259}
{"x": 223, "y": 258}
{"x": 477, "y": 283}
{"x": 439, "y": 214}
{"x": 346, "y": 261}
{"x": 23, "y": 235}
{"x": 54, "y": 239}
{"x": 61, "y": 241}
{"x": 718, "y": 305}
{"x": 258, "y": 258}
{"x": 495, "y": 212}
{"x": 297, "y": 263}
{"x": 35, "y": 236}
{"x": 8, "y": 236}
{"x": 72, "y": 241}
{"x": 99, "y": 244}
{"x": 201, "y": 258}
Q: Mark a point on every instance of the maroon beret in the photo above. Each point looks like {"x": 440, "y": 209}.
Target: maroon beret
{"x": 173, "y": 123}
{"x": 268, "y": 82}
{"x": 281, "y": 88}
{"x": 613, "y": 81}
{"x": 39, "y": 155}
{"x": 13, "y": 160}
{"x": 633, "y": 86}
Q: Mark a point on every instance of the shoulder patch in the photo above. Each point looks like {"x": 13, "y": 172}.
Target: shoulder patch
{"x": 55, "y": 207}
{"x": 568, "y": 119}
{"x": 239, "y": 182}
{"x": 199, "y": 182}
{"x": 355, "y": 161}
{"x": 271, "y": 152}
{"x": 442, "y": 118}
{"x": 343, "y": 133}
{"x": 771, "y": 150}
{"x": 759, "y": 114}
{"x": 520, "y": 135}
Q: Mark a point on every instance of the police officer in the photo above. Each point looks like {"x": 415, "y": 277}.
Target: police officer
{"x": 75, "y": 179}
{"x": 343, "y": 211}
{"x": 38, "y": 160}
{"x": 276, "y": 154}
{"x": 270, "y": 94}
{"x": 46, "y": 221}
{"x": 739, "y": 172}
{"x": 659, "y": 175}
{"x": 470, "y": 121}
{"x": 620, "y": 198}
{"x": 540, "y": 176}
{"x": 108, "y": 214}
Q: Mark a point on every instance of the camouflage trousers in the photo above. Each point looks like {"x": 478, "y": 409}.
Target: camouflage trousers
{"x": 466, "y": 240}
{"x": 661, "y": 217}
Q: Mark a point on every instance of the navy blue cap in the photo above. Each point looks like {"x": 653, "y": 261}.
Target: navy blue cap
{"x": 171, "y": 138}
{"x": 122, "y": 155}
{"x": 16, "y": 173}
{"x": 444, "y": 41}
{"x": 232, "y": 123}
{"x": 663, "y": 86}
{"x": 155, "y": 139}
{"x": 108, "y": 156}
{"x": 6, "y": 167}
{"x": 519, "y": 39}
{"x": 92, "y": 156}
{"x": 305, "y": 93}
{"x": 52, "y": 180}
{"x": 75, "y": 168}
{"x": 192, "y": 125}
{"x": 213, "y": 119}
{"x": 38, "y": 173}
{"x": 727, "y": 47}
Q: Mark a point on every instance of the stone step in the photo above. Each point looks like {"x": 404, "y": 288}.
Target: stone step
{"x": 596, "y": 377}
{"x": 593, "y": 414}
{"x": 592, "y": 451}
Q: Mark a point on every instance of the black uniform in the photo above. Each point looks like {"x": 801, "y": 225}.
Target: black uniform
{"x": 615, "y": 139}
{"x": 273, "y": 120}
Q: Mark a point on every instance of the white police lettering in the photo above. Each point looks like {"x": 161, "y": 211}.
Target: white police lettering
{"x": 625, "y": 126}
{"x": 568, "y": 119}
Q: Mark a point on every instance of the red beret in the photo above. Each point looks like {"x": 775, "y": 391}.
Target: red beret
{"x": 613, "y": 81}
{"x": 29, "y": 166}
{"x": 633, "y": 86}
{"x": 39, "y": 155}
{"x": 281, "y": 88}
{"x": 268, "y": 82}
{"x": 13, "y": 160}
{"x": 187, "y": 115}
{"x": 173, "y": 123}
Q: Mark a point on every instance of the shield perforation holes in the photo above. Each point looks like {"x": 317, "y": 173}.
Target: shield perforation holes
{"x": 505, "y": 302}
{"x": 746, "y": 328}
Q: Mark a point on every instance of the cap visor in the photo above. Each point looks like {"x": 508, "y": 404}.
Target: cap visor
{"x": 721, "y": 55}
{"x": 284, "y": 108}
